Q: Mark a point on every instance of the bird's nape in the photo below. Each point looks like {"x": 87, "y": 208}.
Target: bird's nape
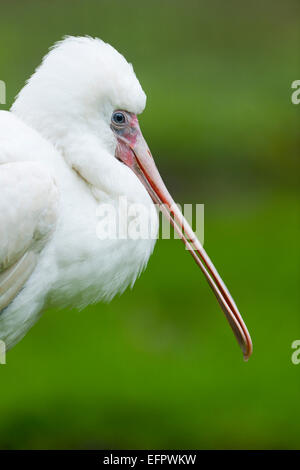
{"x": 133, "y": 151}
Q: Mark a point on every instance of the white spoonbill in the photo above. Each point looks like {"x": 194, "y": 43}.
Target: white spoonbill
{"x": 70, "y": 144}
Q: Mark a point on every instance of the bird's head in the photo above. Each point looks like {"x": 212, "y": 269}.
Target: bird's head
{"x": 85, "y": 98}
{"x": 77, "y": 87}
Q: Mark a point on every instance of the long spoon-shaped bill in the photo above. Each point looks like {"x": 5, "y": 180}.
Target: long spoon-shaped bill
{"x": 134, "y": 152}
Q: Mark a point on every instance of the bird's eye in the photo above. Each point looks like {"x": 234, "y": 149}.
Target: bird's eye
{"x": 118, "y": 118}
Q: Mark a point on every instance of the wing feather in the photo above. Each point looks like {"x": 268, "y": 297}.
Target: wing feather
{"x": 28, "y": 213}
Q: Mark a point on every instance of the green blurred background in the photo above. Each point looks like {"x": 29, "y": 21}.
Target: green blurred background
{"x": 159, "y": 367}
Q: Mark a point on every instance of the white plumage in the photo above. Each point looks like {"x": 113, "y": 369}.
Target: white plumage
{"x": 70, "y": 144}
{"x": 57, "y": 164}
